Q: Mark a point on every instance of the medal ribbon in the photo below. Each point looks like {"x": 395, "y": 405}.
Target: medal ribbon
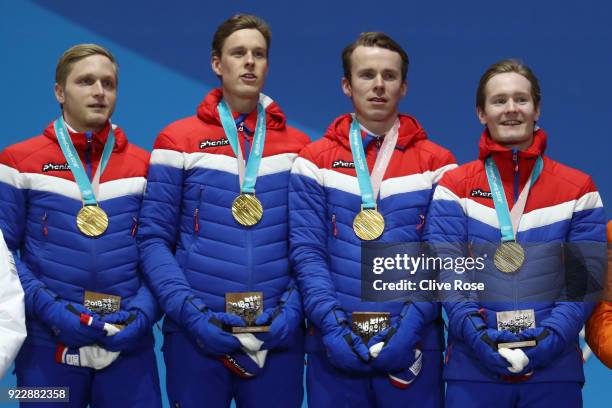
{"x": 248, "y": 176}
{"x": 509, "y": 221}
{"x": 72, "y": 157}
{"x": 369, "y": 187}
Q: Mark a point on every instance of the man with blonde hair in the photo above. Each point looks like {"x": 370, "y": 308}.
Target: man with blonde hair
{"x": 69, "y": 203}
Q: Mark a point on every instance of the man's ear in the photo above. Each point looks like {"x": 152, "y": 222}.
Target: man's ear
{"x": 59, "y": 93}
{"x": 215, "y": 64}
{"x": 346, "y": 87}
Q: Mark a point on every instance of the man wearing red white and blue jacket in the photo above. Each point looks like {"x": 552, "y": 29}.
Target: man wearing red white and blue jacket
{"x": 195, "y": 250}
{"x": 561, "y": 208}
{"x": 40, "y": 199}
{"x": 325, "y": 197}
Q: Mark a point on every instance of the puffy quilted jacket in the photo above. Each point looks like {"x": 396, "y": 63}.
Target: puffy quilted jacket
{"x": 325, "y": 198}
{"x": 39, "y": 201}
{"x": 190, "y": 243}
{"x": 563, "y": 207}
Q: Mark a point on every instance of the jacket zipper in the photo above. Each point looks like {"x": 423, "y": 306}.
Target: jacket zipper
{"x": 334, "y": 226}
{"x": 45, "y": 229}
{"x": 516, "y": 193}
{"x": 196, "y": 213}
{"x": 134, "y": 226}
{"x": 516, "y": 174}
{"x": 88, "y": 154}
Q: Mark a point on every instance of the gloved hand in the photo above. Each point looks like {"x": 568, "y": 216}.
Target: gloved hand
{"x": 283, "y": 321}
{"x": 483, "y": 342}
{"x": 207, "y": 327}
{"x": 137, "y": 326}
{"x": 399, "y": 339}
{"x": 64, "y": 319}
{"x": 549, "y": 346}
{"x": 344, "y": 348}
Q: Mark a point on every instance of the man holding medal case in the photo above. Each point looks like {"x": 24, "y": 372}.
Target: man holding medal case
{"x": 69, "y": 202}
{"x": 214, "y": 232}
{"x": 370, "y": 178}
{"x": 516, "y": 344}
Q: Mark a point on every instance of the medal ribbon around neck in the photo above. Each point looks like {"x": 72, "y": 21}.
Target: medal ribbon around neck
{"x": 91, "y": 220}
{"x": 369, "y": 224}
{"x": 246, "y": 209}
{"x": 510, "y": 256}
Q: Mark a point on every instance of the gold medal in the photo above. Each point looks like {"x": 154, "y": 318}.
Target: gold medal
{"x": 92, "y": 221}
{"x": 369, "y": 224}
{"x": 509, "y": 257}
{"x": 247, "y": 209}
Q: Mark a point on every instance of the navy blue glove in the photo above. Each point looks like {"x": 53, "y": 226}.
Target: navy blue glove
{"x": 549, "y": 347}
{"x": 344, "y": 348}
{"x": 137, "y": 326}
{"x": 483, "y": 342}
{"x": 400, "y": 341}
{"x": 64, "y": 319}
{"x": 283, "y": 320}
{"x": 207, "y": 328}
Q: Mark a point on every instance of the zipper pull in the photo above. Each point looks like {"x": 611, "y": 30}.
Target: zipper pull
{"x": 135, "y": 226}
{"x": 196, "y": 220}
{"x": 515, "y": 159}
{"x": 334, "y": 227}
{"x": 44, "y": 220}
{"x": 378, "y": 142}
{"x": 421, "y": 224}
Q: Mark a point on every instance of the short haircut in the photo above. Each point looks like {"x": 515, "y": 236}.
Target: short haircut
{"x": 504, "y": 67}
{"x": 77, "y": 53}
{"x": 239, "y": 22}
{"x": 373, "y": 39}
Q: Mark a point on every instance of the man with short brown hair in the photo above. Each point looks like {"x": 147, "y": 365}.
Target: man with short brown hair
{"x": 214, "y": 226}
{"x": 369, "y": 179}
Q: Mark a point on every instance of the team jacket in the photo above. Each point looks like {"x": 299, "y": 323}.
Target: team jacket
{"x": 325, "y": 198}
{"x": 39, "y": 201}
{"x": 190, "y": 243}
{"x": 12, "y": 314}
{"x": 563, "y": 207}
{"x": 599, "y": 327}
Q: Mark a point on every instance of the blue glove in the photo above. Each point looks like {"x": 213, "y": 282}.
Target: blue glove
{"x": 400, "y": 340}
{"x": 64, "y": 319}
{"x": 283, "y": 321}
{"x": 207, "y": 328}
{"x": 137, "y": 326}
{"x": 549, "y": 347}
{"x": 483, "y": 342}
{"x": 344, "y": 348}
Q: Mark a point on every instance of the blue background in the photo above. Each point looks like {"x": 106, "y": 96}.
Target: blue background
{"x": 164, "y": 51}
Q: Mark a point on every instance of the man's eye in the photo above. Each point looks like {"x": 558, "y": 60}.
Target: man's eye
{"x": 238, "y": 53}
{"x": 499, "y": 101}
{"x": 389, "y": 76}
{"x": 86, "y": 81}
{"x": 367, "y": 75}
{"x": 259, "y": 54}
{"x": 108, "y": 84}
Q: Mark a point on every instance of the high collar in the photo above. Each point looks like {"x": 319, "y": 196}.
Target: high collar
{"x": 207, "y": 111}
{"x": 98, "y": 139}
{"x": 410, "y": 131}
{"x": 489, "y": 147}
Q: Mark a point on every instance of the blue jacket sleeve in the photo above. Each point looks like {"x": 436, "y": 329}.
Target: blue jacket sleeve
{"x": 13, "y": 206}
{"x": 308, "y": 238}
{"x": 159, "y": 227}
